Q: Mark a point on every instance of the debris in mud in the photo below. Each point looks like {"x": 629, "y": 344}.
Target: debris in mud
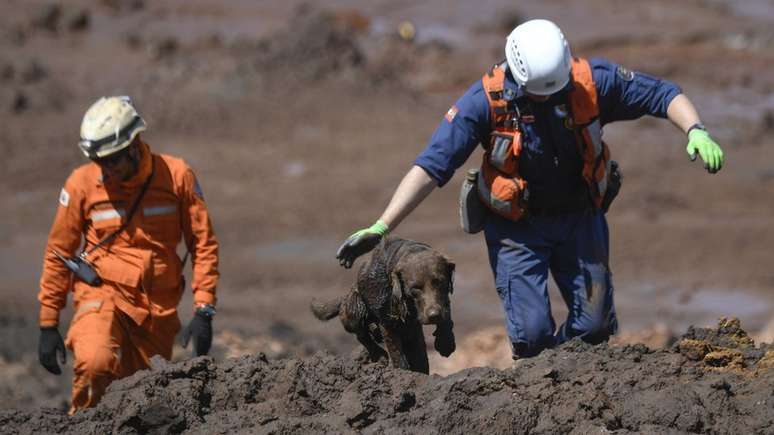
{"x": 320, "y": 44}
{"x": 164, "y": 48}
{"x": 576, "y": 388}
{"x": 20, "y": 102}
{"x": 118, "y": 6}
{"x": 48, "y": 17}
{"x": 7, "y": 72}
{"x": 79, "y": 21}
{"x": 726, "y": 348}
{"x": 33, "y": 72}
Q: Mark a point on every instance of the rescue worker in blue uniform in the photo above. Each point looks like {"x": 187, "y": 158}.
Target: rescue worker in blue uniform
{"x": 545, "y": 205}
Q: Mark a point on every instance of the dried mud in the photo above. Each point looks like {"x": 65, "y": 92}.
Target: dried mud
{"x": 575, "y": 389}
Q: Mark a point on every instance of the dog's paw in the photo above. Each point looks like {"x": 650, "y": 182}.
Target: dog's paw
{"x": 445, "y": 344}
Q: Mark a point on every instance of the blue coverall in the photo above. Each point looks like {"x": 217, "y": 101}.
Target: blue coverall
{"x": 562, "y": 232}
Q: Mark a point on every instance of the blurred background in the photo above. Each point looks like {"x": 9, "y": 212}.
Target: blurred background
{"x": 301, "y": 118}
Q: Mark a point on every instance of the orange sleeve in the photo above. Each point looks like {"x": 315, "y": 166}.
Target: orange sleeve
{"x": 65, "y": 238}
{"x": 200, "y": 240}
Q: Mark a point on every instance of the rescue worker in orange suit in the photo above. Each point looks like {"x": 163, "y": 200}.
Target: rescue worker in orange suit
{"x": 545, "y": 180}
{"x": 128, "y": 209}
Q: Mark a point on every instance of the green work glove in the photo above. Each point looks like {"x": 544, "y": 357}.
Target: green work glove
{"x": 701, "y": 142}
{"x": 361, "y": 242}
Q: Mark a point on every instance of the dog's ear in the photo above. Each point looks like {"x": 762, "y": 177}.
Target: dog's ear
{"x": 450, "y": 267}
{"x": 397, "y": 286}
{"x": 399, "y": 303}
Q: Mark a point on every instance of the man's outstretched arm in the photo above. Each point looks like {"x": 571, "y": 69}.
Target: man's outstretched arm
{"x": 683, "y": 114}
{"x": 412, "y": 190}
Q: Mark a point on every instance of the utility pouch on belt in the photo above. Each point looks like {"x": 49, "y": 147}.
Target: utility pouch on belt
{"x": 82, "y": 269}
{"x": 615, "y": 179}
{"x": 473, "y": 212}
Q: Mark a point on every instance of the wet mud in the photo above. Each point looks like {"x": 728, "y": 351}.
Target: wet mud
{"x": 300, "y": 120}
{"x": 713, "y": 380}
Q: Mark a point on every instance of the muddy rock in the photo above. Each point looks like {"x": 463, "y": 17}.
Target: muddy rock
{"x": 122, "y": 6}
{"x": 79, "y": 21}
{"x": 320, "y": 44}
{"x": 19, "y": 102}
{"x": 48, "y": 17}
{"x": 576, "y": 388}
{"x": 33, "y": 72}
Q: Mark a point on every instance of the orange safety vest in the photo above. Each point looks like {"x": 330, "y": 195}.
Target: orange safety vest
{"x": 499, "y": 184}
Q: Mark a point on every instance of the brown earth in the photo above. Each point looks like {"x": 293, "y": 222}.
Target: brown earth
{"x": 300, "y": 123}
{"x": 575, "y": 389}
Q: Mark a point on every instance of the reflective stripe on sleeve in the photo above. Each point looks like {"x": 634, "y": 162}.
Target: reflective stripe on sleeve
{"x": 104, "y": 215}
{"x": 159, "y": 210}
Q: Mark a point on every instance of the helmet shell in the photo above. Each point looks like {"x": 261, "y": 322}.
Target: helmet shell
{"x": 539, "y": 57}
{"x": 109, "y": 126}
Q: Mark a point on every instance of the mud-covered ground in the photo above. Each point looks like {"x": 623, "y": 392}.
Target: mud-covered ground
{"x": 712, "y": 380}
{"x": 300, "y": 121}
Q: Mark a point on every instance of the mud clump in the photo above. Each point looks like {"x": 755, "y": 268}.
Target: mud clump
{"x": 321, "y": 44}
{"x": 576, "y": 388}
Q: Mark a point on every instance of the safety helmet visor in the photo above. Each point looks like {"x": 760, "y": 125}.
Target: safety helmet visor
{"x": 547, "y": 87}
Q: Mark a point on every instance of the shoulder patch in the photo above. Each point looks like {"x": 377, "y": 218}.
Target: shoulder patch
{"x": 64, "y": 198}
{"x": 451, "y": 113}
{"x": 624, "y": 73}
{"x": 198, "y": 189}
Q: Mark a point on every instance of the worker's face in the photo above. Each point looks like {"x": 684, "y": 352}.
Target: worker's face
{"x": 538, "y": 98}
{"x": 122, "y": 165}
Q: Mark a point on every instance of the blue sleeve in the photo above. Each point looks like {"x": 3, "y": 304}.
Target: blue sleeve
{"x": 625, "y": 94}
{"x": 465, "y": 125}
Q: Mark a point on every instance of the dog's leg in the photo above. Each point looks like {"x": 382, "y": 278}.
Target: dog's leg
{"x": 354, "y": 317}
{"x": 416, "y": 349}
{"x": 375, "y": 353}
{"x": 394, "y": 345}
{"x": 444, "y": 338}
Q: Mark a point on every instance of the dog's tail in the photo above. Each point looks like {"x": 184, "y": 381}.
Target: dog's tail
{"x": 326, "y": 310}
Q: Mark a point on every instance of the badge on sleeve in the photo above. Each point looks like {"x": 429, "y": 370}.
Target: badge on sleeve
{"x": 451, "y": 113}
{"x": 198, "y": 189}
{"x": 64, "y": 198}
{"x": 624, "y": 73}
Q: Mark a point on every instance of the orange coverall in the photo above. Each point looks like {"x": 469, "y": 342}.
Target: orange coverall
{"x": 132, "y": 316}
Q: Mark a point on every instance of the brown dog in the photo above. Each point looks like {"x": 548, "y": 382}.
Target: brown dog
{"x": 402, "y": 286}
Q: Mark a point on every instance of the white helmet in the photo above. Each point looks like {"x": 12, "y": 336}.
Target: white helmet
{"x": 538, "y": 57}
{"x": 110, "y": 125}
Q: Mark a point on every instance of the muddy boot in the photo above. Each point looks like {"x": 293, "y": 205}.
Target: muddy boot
{"x": 517, "y": 362}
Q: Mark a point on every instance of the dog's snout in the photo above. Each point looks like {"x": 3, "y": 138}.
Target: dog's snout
{"x": 434, "y": 315}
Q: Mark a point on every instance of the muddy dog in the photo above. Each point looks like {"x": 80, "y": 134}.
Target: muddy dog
{"x": 402, "y": 286}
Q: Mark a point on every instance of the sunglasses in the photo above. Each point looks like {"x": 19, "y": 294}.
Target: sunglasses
{"x": 113, "y": 160}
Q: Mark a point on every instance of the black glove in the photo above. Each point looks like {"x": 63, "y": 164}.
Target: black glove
{"x": 200, "y": 329}
{"x": 51, "y": 342}
{"x": 361, "y": 242}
